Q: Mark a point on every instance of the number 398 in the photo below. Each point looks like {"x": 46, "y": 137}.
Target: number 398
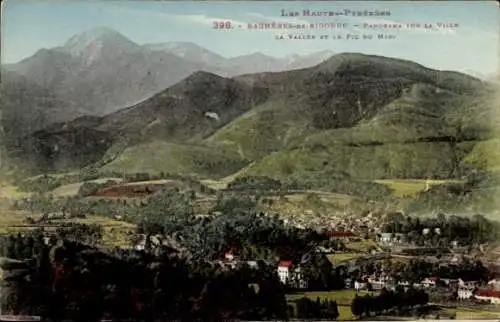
{"x": 222, "y": 24}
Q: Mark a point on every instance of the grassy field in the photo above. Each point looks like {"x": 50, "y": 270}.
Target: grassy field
{"x": 9, "y": 191}
{"x": 342, "y": 257}
{"x": 176, "y": 158}
{"x": 72, "y": 189}
{"x": 217, "y": 184}
{"x": 409, "y": 188}
{"x": 464, "y": 313}
{"x": 362, "y": 246}
{"x": 298, "y": 203}
{"x": 342, "y": 297}
{"x": 115, "y": 232}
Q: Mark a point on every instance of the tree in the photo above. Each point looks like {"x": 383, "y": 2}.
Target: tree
{"x": 358, "y": 306}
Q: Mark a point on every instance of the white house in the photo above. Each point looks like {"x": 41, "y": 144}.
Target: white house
{"x": 298, "y": 280}
{"x": 449, "y": 281}
{"x": 495, "y": 284}
{"x": 358, "y": 285}
{"x": 253, "y": 264}
{"x": 229, "y": 256}
{"x": 467, "y": 284}
{"x": 385, "y": 238}
{"x": 291, "y": 275}
{"x": 465, "y": 293}
{"x": 392, "y": 238}
{"x": 429, "y": 281}
{"x": 284, "y": 271}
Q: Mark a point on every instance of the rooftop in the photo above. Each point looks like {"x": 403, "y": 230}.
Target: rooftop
{"x": 285, "y": 263}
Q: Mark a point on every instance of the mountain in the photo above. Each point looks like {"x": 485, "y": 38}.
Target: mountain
{"x": 252, "y": 63}
{"x": 369, "y": 116}
{"x": 374, "y": 117}
{"x": 299, "y": 62}
{"x": 182, "y": 112}
{"x": 189, "y": 51}
{"x": 101, "y": 71}
{"x": 98, "y": 43}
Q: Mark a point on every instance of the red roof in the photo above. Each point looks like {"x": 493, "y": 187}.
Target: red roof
{"x": 434, "y": 278}
{"x": 341, "y": 234}
{"x": 285, "y": 263}
{"x": 488, "y": 293}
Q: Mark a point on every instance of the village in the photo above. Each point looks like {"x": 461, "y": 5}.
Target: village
{"x": 463, "y": 286}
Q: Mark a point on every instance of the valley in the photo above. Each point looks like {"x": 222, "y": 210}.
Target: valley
{"x": 170, "y": 172}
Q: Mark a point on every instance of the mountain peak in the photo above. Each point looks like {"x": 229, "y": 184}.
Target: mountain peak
{"x": 188, "y": 50}
{"x": 93, "y": 41}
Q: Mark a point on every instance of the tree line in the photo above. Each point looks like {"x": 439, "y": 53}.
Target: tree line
{"x": 443, "y": 229}
{"x": 332, "y": 182}
{"x": 415, "y": 270}
{"x": 45, "y": 183}
{"x": 64, "y": 279}
{"x": 388, "y": 302}
{"x": 306, "y": 308}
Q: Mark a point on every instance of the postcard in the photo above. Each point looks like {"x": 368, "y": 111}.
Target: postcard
{"x": 249, "y": 160}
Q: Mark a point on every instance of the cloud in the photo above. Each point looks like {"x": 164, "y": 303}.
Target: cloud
{"x": 201, "y": 19}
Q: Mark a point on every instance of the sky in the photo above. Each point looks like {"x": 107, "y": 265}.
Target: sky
{"x": 473, "y": 46}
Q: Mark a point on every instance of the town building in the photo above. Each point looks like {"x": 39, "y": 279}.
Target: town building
{"x": 465, "y": 293}
{"x": 360, "y": 285}
{"x": 229, "y": 256}
{"x": 488, "y": 295}
{"x": 466, "y": 283}
{"x": 342, "y": 235}
{"x": 429, "y": 281}
{"x": 291, "y": 275}
{"x": 494, "y": 284}
{"x": 392, "y": 238}
{"x": 450, "y": 282}
{"x": 253, "y": 264}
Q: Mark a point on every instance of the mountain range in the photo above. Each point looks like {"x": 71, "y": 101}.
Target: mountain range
{"x": 364, "y": 115}
{"x": 101, "y": 71}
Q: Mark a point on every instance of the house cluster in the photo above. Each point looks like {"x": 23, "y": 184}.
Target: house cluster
{"x": 231, "y": 261}
{"x": 489, "y": 293}
{"x": 391, "y": 239}
{"x": 342, "y": 222}
{"x": 465, "y": 289}
{"x": 384, "y": 281}
{"x": 397, "y": 239}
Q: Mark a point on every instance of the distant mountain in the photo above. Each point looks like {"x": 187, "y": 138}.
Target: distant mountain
{"x": 298, "y": 62}
{"x": 370, "y": 116}
{"x": 101, "y": 71}
{"x": 245, "y": 64}
{"x": 98, "y": 43}
{"x": 190, "y": 52}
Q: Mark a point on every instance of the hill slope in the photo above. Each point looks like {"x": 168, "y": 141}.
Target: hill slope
{"x": 369, "y": 116}
{"x": 188, "y": 111}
